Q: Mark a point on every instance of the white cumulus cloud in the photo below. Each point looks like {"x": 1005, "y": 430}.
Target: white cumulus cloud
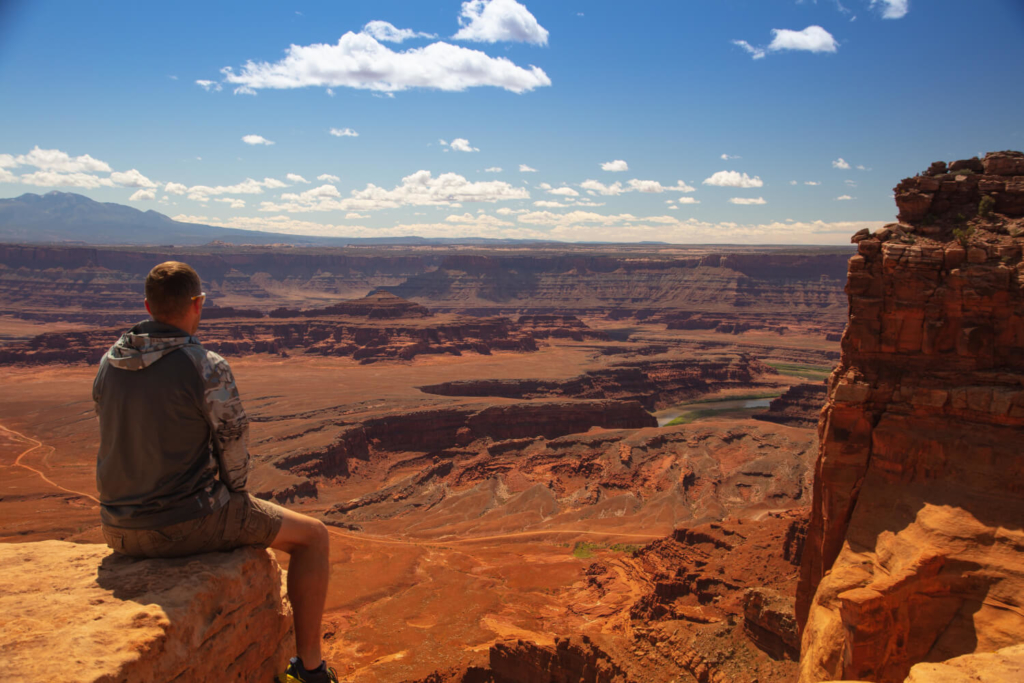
{"x": 232, "y": 202}
{"x": 175, "y": 188}
{"x": 811, "y": 39}
{"x": 56, "y": 160}
{"x": 492, "y": 21}
{"x": 841, "y": 163}
{"x": 493, "y": 169}
{"x": 743, "y": 201}
{"x": 273, "y": 183}
{"x": 256, "y": 140}
{"x": 756, "y": 52}
{"x": 478, "y": 219}
{"x": 893, "y": 9}
{"x": 617, "y": 165}
{"x": 733, "y": 179}
{"x": 564, "y": 192}
{"x": 418, "y": 189}
{"x": 296, "y": 178}
{"x": 359, "y": 61}
{"x": 656, "y": 187}
{"x": 597, "y": 186}
{"x": 328, "y": 178}
{"x": 844, "y": 198}
{"x": 209, "y": 86}
{"x": 462, "y": 145}
{"x": 344, "y": 133}
{"x": 202, "y": 193}
{"x": 131, "y": 178}
{"x": 141, "y": 195}
{"x": 385, "y": 31}
{"x": 57, "y": 179}
{"x": 523, "y": 168}
{"x": 728, "y": 157}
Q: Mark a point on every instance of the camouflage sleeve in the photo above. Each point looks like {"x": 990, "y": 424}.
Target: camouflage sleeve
{"x": 226, "y": 416}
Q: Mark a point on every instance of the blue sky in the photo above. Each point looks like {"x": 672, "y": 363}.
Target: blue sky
{"x": 712, "y": 109}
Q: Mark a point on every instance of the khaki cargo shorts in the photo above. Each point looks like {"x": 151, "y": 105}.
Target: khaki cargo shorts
{"x": 243, "y": 521}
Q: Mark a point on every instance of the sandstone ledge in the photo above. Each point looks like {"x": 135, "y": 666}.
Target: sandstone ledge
{"x": 101, "y": 617}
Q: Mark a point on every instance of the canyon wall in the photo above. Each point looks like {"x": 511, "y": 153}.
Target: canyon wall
{"x": 914, "y": 552}
{"x": 367, "y": 340}
{"x": 655, "y": 384}
{"x": 90, "y": 615}
{"x": 104, "y": 285}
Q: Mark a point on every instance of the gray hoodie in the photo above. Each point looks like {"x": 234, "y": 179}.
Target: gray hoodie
{"x": 173, "y": 434}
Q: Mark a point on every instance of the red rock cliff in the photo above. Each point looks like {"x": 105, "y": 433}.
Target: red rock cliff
{"x": 914, "y": 552}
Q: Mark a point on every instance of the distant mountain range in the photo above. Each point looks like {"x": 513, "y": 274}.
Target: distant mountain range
{"x": 65, "y": 217}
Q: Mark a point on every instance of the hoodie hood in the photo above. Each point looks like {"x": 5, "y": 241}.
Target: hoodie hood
{"x": 146, "y": 343}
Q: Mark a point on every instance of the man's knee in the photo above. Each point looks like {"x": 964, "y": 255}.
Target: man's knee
{"x": 299, "y": 532}
{"x": 321, "y": 537}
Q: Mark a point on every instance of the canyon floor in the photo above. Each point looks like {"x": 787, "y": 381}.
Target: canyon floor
{"x": 440, "y": 550}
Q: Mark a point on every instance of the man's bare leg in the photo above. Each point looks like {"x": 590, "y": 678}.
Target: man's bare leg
{"x": 307, "y": 542}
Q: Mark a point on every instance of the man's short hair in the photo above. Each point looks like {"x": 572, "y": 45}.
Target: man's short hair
{"x": 171, "y": 287}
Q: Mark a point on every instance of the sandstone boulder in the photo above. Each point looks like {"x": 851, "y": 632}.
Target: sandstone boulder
{"x": 95, "y": 616}
{"x": 1004, "y": 666}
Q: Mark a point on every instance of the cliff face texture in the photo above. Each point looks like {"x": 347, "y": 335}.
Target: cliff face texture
{"x": 102, "y": 618}
{"x": 914, "y": 551}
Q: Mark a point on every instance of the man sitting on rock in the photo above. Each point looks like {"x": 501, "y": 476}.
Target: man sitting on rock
{"x": 173, "y": 459}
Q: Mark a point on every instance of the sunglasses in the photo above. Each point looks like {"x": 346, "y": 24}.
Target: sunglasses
{"x": 200, "y": 295}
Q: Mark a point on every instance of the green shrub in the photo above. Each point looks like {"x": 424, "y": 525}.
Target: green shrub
{"x": 986, "y": 206}
{"x": 962, "y": 234}
{"x": 628, "y": 548}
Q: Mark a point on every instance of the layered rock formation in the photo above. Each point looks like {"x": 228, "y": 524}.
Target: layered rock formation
{"x": 375, "y": 306}
{"x": 91, "y": 615}
{"x": 668, "y": 474}
{"x": 743, "y": 287}
{"x": 655, "y": 384}
{"x": 956, "y": 192}
{"x": 800, "y": 406}
{"x": 559, "y": 326}
{"x": 361, "y": 339}
{"x": 915, "y": 544}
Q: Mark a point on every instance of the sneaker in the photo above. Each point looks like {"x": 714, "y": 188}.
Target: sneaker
{"x": 296, "y": 673}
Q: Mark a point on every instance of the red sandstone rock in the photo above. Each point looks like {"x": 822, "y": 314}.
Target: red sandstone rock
{"x": 1003, "y": 666}
{"x": 914, "y": 548}
{"x": 79, "y": 612}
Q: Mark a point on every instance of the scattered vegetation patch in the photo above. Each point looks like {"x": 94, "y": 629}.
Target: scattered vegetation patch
{"x": 704, "y": 413}
{"x": 801, "y": 370}
{"x": 740, "y": 397}
{"x": 628, "y": 548}
{"x": 584, "y": 550}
